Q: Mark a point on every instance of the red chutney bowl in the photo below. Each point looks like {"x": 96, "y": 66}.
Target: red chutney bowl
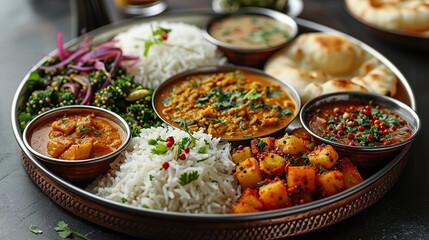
{"x": 243, "y": 41}
{"x": 370, "y": 129}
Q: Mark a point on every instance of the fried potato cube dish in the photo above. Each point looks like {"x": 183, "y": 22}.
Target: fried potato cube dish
{"x": 249, "y": 202}
{"x": 241, "y": 154}
{"x": 291, "y": 170}
{"x": 272, "y": 164}
{"x": 301, "y": 178}
{"x": 274, "y": 195}
{"x": 290, "y": 145}
{"x": 248, "y": 174}
{"x": 351, "y": 174}
{"x": 331, "y": 182}
{"x": 323, "y": 156}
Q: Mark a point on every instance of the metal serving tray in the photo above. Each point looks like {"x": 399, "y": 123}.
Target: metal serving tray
{"x": 156, "y": 224}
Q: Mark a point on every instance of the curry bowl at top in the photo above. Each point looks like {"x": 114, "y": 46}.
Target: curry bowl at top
{"x": 249, "y": 36}
{"x": 77, "y": 142}
{"x": 368, "y": 128}
{"x": 230, "y": 102}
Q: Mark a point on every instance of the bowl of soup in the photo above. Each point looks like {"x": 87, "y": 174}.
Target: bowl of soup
{"x": 249, "y": 36}
{"x": 77, "y": 142}
{"x": 230, "y": 102}
{"x": 368, "y": 128}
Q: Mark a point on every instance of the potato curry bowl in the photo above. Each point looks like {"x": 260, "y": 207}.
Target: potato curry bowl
{"x": 78, "y": 142}
{"x": 230, "y": 102}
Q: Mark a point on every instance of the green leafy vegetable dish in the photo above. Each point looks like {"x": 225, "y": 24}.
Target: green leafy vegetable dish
{"x": 89, "y": 76}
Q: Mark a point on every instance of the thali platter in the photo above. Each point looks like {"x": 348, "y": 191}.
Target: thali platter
{"x": 272, "y": 224}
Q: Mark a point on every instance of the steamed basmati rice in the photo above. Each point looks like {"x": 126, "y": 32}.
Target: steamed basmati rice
{"x": 185, "y": 48}
{"x": 138, "y": 179}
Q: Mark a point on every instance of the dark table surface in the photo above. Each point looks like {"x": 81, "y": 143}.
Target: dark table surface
{"x": 28, "y": 29}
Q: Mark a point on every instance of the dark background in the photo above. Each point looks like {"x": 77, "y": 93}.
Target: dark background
{"x": 27, "y": 33}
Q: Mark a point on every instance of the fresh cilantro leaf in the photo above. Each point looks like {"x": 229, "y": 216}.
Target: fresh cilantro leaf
{"x": 83, "y": 128}
{"x": 202, "y": 149}
{"x": 124, "y": 200}
{"x": 271, "y": 94}
{"x": 35, "y": 229}
{"x": 252, "y": 94}
{"x": 286, "y": 112}
{"x": 187, "y": 178}
{"x": 166, "y": 100}
{"x": 64, "y": 231}
{"x": 159, "y": 149}
{"x": 203, "y": 159}
{"x": 260, "y": 143}
{"x": 152, "y": 142}
{"x": 322, "y": 170}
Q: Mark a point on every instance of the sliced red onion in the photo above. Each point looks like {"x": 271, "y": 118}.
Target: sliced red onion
{"x": 62, "y": 53}
{"x": 108, "y": 44}
{"x": 130, "y": 58}
{"x": 72, "y": 87}
{"x": 99, "y": 65}
{"x": 82, "y": 92}
{"x": 78, "y": 52}
{"x": 84, "y": 81}
{"x": 82, "y": 69}
{"x": 94, "y": 54}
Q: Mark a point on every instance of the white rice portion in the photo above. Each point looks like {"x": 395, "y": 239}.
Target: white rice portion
{"x": 185, "y": 48}
{"x": 137, "y": 176}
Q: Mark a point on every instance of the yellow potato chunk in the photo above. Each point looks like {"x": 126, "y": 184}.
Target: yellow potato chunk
{"x": 272, "y": 164}
{"x": 301, "y": 198}
{"x": 241, "y": 155}
{"x": 248, "y": 202}
{"x": 301, "y": 178}
{"x": 56, "y": 147}
{"x": 291, "y": 145}
{"x": 331, "y": 182}
{"x": 78, "y": 151}
{"x": 352, "y": 176}
{"x": 274, "y": 195}
{"x": 65, "y": 125}
{"x": 248, "y": 173}
{"x": 305, "y": 136}
{"x": 323, "y": 156}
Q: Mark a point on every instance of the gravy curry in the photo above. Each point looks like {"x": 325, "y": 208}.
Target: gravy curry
{"x": 77, "y": 137}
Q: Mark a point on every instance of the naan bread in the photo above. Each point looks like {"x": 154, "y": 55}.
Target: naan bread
{"x": 334, "y": 85}
{"x": 410, "y": 16}
{"x": 319, "y": 63}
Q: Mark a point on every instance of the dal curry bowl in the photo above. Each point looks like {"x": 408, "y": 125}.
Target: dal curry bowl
{"x": 230, "y": 102}
{"x": 251, "y": 35}
{"x": 77, "y": 142}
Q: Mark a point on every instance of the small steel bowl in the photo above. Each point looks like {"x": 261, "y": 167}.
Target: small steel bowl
{"x": 78, "y": 170}
{"x": 246, "y": 56}
{"x": 364, "y": 156}
{"x": 293, "y": 94}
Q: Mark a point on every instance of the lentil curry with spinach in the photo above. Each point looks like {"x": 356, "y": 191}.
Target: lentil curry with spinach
{"x": 228, "y": 105}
